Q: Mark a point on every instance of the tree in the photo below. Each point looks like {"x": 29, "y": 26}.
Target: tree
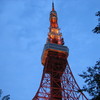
{"x": 7, "y": 97}
{"x": 92, "y": 80}
{"x": 97, "y": 28}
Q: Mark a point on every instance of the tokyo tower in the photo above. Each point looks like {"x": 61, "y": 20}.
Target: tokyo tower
{"x": 58, "y": 82}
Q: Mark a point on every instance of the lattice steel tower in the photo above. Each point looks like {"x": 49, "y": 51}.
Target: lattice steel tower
{"x": 57, "y": 82}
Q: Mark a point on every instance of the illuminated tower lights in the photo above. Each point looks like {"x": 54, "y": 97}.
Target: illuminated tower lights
{"x": 57, "y": 81}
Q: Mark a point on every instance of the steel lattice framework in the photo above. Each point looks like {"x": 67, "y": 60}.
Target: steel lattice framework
{"x": 57, "y": 82}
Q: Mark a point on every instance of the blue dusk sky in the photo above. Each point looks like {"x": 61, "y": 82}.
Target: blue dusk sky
{"x": 23, "y": 32}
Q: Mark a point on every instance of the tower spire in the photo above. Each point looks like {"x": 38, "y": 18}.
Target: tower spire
{"x": 53, "y": 6}
{"x": 54, "y": 35}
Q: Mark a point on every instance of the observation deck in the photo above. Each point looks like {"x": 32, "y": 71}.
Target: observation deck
{"x": 53, "y": 47}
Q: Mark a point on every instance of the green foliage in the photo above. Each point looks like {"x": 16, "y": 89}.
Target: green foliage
{"x": 7, "y": 97}
{"x": 92, "y": 80}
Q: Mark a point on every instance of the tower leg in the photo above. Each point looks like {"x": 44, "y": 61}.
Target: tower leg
{"x": 56, "y": 93}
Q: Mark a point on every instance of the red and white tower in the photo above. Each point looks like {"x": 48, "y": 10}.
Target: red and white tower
{"x": 57, "y": 82}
